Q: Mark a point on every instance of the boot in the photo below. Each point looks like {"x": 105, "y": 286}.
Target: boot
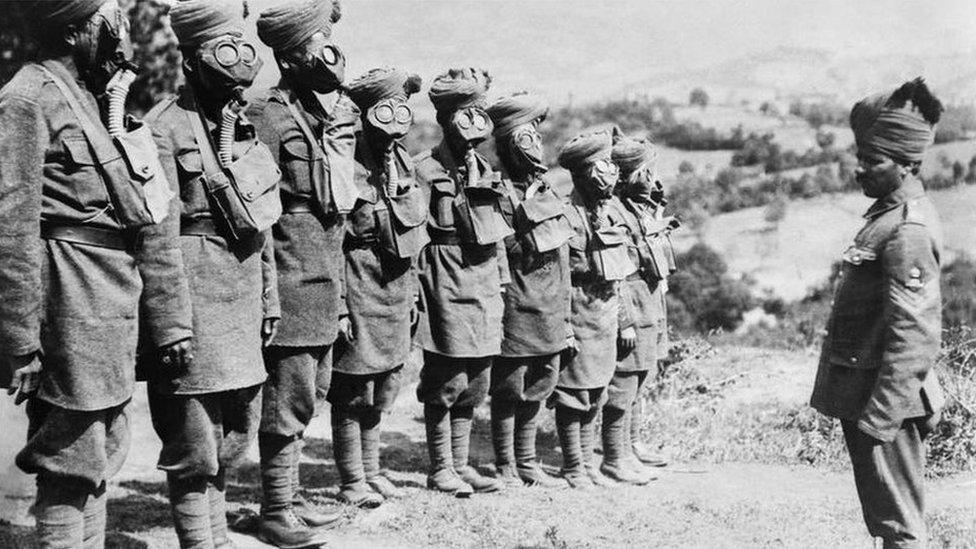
{"x": 278, "y": 524}
{"x": 348, "y": 451}
{"x": 95, "y": 518}
{"x": 191, "y": 512}
{"x": 640, "y": 450}
{"x": 587, "y": 442}
{"x": 442, "y": 476}
{"x": 568, "y": 428}
{"x": 526, "y": 414}
{"x": 307, "y": 511}
{"x": 369, "y": 423}
{"x": 502, "y": 437}
{"x": 216, "y": 490}
{"x": 460, "y": 446}
{"x": 615, "y": 449}
{"x": 60, "y": 513}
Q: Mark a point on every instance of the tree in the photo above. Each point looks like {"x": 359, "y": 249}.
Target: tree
{"x": 156, "y": 54}
{"x": 16, "y": 44}
{"x": 698, "y": 97}
{"x": 776, "y": 210}
{"x": 687, "y": 167}
{"x": 958, "y": 171}
{"x": 825, "y": 139}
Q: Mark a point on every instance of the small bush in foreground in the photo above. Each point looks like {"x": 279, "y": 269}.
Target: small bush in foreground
{"x": 952, "y": 445}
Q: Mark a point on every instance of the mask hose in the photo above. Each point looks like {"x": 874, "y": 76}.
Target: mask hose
{"x": 392, "y": 177}
{"x": 118, "y": 89}
{"x": 229, "y": 116}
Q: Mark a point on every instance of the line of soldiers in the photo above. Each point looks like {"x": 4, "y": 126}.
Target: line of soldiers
{"x": 254, "y": 261}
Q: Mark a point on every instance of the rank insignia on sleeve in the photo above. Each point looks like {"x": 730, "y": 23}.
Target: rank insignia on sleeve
{"x": 914, "y": 279}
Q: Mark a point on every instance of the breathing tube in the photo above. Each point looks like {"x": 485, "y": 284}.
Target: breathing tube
{"x": 118, "y": 89}
{"x": 229, "y": 116}
{"x": 392, "y": 176}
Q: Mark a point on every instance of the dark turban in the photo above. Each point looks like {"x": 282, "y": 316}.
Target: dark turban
{"x": 58, "y": 14}
{"x": 899, "y": 125}
{"x": 289, "y": 25}
{"x": 196, "y": 21}
{"x": 629, "y": 154}
{"x": 379, "y": 84}
{"x": 459, "y": 88}
{"x": 585, "y": 149}
{"x": 515, "y": 110}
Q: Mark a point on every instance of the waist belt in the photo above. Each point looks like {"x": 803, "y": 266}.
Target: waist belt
{"x": 353, "y": 242}
{"x": 444, "y": 239}
{"x": 635, "y": 276}
{"x": 584, "y": 278}
{"x": 295, "y": 206}
{"x": 81, "y": 234}
{"x": 198, "y": 227}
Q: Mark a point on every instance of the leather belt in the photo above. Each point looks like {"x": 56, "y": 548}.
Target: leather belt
{"x": 635, "y": 276}
{"x": 203, "y": 226}
{"x": 364, "y": 242}
{"x": 439, "y": 238}
{"x": 296, "y": 206}
{"x": 81, "y": 234}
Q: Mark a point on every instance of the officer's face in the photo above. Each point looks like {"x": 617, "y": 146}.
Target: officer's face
{"x": 878, "y": 175}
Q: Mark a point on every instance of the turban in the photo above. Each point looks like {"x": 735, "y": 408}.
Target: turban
{"x": 629, "y": 154}
{"x": 899, "y": 125}
{"x": 289, "y": 25}
{"x": 515, "y": 110}
{"x": 196, "y": 21}
{"x": 61, "y": 13}
{"x": 459, "y": 88}
{"x": 585, "y": 149}
{"x": 379, "y": 84}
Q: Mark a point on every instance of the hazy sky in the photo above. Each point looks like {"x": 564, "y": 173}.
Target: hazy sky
{"x": 596, "y": 47}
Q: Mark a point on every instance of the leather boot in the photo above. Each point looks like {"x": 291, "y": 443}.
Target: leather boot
{"x": 587, "y": 443}
{"x": 369, "y": 425}
{"x": 442, "y": 476}
{"x": 191, "y": 512}
{"x": 95, "y": 518}
{"x": 306, "y": 510}
{"x": 461, "y": 418}
{"x": 348, "y": 452}
{"x": 568, "y": 428}
{"x": 640, "y": 450}
{"x": 279, "y": 525}
{"x": 60, "y": 513}
{"x": 526, "y": 427}
{"x": 216, "y": 491}
{"x": 502, "y": 439}
{"x": 616, "y": 434}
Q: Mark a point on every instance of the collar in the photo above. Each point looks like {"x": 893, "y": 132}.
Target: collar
{"x": 910, "y": 189}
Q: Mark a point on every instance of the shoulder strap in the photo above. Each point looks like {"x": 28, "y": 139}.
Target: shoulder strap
{"x": 305, "y": 128}
{"x": 102, "y": 148}
{"x": 204, "y": 142}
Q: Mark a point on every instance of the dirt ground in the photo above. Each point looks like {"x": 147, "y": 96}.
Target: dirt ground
{"x": 697, "y": 504}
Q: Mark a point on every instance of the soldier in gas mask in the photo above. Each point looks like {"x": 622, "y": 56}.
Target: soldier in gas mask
{"x": 87, "y": 216}
{"x": 206, "y": 414}
{"x": 536, "y": 326}
{"x": 599, "y": 255}
{"x": 462, "y": 272}
{"x": 387, "y": 230}
{"x": 314, "y": 147}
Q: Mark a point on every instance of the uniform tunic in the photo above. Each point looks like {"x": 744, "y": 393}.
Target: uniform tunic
{"x": 461, "y": 282}
{"x": 231, "y": 291}
{"x": 77, "y": 304}
{"x": 380, "y": 289}
{"x": 307, "y": 246}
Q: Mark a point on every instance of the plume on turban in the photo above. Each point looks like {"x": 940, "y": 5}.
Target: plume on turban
{"x": 899, "y": 125}
{"x": 382, "y": 83}
{"x": 290, "y": 24}
{"x": 61, "y": 13}
{"x": 629, "y": 154}
{"x": 515, "y": 110}
{"x": 459, "y": 88}
{"x": 585, "y": 148}
{"x": 196, "y": 21}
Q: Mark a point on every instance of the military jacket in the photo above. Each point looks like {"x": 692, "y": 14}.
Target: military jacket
{"x": 884, "y": 331}
{"x": 232, "y": 287}
{"x": 461, "y": 283}
{"x": 381, "y": 289}
{"x": 596, "y": 315}
{"x": 307, "y": 243}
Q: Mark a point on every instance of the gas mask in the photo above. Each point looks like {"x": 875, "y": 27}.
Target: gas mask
{"x": 102, "y": 46}
{"x": 525, "y": 146}
{"x": 472, "y": 125}
{"x": 879, "y": 177}
{"x": 228, "y": 63}
{"x": 600, "y": 177}
{"x": 391, "y": 117}
{"x": 642, "y": 187}
{"x": 326, "y": 68}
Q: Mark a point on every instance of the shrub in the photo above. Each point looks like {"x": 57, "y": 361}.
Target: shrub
{"x": 952, "y": 445}
{"x": 713, "y": 299}
{"x": 959, "y": 293}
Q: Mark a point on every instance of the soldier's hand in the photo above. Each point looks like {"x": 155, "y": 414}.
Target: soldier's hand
{"x": 628, "y": 338}
{"x": 25, "y": 377}
{"x": 345, "y": 328}
{"x": 269, "y": 327}
{"x": 178, "y": 355}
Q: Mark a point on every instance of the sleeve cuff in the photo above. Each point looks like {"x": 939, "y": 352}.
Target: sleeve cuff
{"x": 884, "y": 436}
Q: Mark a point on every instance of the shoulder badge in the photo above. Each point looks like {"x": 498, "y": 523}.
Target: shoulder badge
{"x": 913, "y": 213}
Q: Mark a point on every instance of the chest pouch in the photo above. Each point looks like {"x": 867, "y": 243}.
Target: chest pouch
{"x": 478, "y": 214}
{"x": 544, "y": 217}
{"x": 401, "y": 221}
{"x": 609, "y": 254}
{"x": 245, "y": 194}
{"x": 332, "y": 167}
{"x": 128, "y": 163}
